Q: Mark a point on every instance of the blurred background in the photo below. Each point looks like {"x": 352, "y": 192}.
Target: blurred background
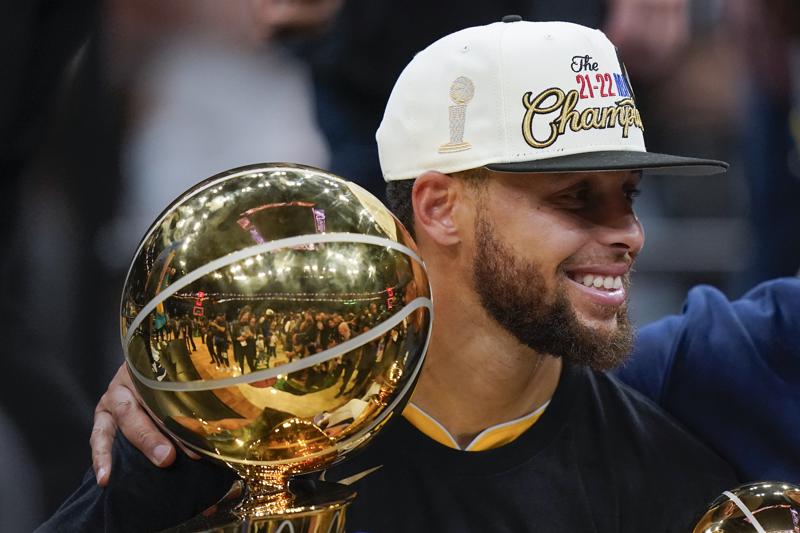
{"x": 110, "y": 109}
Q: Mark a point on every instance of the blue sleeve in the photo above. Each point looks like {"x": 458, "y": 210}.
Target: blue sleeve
{"x": 650, "y": 363}
{"x": 140, "y": 496}
{"x": 730, "y": 372}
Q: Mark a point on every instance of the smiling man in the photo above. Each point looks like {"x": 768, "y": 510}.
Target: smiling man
{"x": 557, "y": 287}
{"x": 513, "y": 151}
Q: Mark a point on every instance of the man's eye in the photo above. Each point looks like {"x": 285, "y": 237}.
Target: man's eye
{"x": 576, "y": 195}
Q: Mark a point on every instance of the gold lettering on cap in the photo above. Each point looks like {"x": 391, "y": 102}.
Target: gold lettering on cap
{"x": 554, "y": 100}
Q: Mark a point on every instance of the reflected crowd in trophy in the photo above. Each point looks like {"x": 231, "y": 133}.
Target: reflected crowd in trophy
{"x": 257, "y": 339}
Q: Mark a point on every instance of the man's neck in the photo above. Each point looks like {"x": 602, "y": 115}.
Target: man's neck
{"x": 479, "y": 376}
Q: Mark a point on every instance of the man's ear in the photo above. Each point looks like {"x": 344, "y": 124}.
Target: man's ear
{"x": 435, "y": 197}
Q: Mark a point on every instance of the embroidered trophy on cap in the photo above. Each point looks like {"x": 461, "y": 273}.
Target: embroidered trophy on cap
{"x": 461, "y": 92}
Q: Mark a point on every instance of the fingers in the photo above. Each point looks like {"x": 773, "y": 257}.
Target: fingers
{"x": 137, "y": 426}
{"x": 120, "y": 408}
{"x": 101, "y": 439}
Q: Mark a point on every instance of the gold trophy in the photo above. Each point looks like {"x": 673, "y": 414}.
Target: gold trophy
{"x": 763, "y": 507}
{"x": 274, "y": 317}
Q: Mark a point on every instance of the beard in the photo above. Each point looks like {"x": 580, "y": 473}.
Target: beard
{"x": 514, "y": 293}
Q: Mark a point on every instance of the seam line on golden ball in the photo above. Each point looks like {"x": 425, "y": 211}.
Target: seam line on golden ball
{"x": 252, "y": 251}
{"x": 248, "y": 171}
{"x": 294, "y": 366}
{"x": 743, "y": 508}
{"x": 401, "y": 396}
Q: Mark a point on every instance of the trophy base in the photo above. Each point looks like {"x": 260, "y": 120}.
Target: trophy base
{"x": 314, "y": 507}
{"x": 454, "y": 147}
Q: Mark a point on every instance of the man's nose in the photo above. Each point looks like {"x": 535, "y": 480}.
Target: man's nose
{"x": 621, "y": 230}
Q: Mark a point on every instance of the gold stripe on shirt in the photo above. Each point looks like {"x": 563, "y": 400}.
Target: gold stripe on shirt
{"x": 491, "y": 437}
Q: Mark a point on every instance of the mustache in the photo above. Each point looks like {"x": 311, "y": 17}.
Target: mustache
{"x": 625, "y": 259}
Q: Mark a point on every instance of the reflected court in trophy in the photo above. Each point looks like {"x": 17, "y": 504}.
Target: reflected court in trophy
{"x": 273, "y": 318}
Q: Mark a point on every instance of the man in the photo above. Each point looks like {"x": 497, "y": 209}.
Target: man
{"x": 219, "y": 332}
{"x": 513, "y": 151}
{"x": 186, "y": 326}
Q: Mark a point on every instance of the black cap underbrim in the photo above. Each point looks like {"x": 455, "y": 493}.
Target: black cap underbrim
{"x": 618, "y": 160}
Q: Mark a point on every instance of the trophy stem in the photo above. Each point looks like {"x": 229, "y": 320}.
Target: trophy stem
{"x": 265, "y": 491}
{"x": 268, "y": 506}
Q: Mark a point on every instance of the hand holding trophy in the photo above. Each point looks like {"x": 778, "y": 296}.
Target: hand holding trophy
{"x": 763, "y": 507}
{"x": 256, "y": 319}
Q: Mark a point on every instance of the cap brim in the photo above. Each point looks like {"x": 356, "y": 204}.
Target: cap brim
{"x": 617, "y": 160}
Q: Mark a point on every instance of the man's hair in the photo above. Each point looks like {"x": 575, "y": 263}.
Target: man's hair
{"x": 398, "y": 200}
{"x": 398, "y": 194}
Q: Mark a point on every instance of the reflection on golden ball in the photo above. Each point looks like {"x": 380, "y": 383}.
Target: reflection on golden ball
{"x": 763, "y": 507}
{"x": 274, "y": 316}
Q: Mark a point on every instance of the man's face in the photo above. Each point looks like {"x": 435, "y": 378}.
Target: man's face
{"x": 552, "y": 257}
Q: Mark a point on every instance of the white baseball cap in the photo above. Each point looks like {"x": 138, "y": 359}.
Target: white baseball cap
{"x": 521, "y": 97}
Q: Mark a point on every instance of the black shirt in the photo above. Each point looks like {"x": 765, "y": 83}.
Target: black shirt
{"x": 601, "y": 458}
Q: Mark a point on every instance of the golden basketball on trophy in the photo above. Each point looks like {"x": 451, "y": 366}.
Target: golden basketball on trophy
{"x": 254, "y": 318}
{"x": 763, "y": 507}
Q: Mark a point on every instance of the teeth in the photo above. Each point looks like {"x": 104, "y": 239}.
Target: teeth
{"x": 597, "y": 281}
